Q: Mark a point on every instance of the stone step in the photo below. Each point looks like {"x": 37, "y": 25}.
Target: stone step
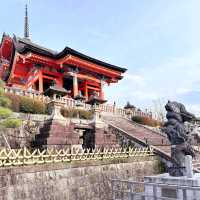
{"x": 148, "y": 136}
{"x": 141, "y": 133}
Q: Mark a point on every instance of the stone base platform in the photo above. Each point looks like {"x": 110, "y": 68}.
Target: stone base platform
{"x": 164, "y": 185}
{"x": 57, "y": 135}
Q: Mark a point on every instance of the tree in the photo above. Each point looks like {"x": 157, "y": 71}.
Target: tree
{"x": 6, "y": 115}
{"x": 158, "y": 110}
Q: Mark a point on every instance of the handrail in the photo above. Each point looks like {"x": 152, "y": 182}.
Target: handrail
{"x": 156, "y": 184}
{"x": 137, "y": 190}
{"x": 141, "y": 142}
{"x": 140, "y": 125}
{"x": 156, "y": 149}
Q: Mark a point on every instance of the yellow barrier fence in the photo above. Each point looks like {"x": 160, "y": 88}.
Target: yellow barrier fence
{"x": 18, "y": 157}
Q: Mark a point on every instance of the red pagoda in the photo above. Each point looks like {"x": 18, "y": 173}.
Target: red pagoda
{"x": 28, "y": 66}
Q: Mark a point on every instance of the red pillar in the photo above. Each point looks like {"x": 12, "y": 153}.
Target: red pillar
{"x": 59, "y": 82}
{"x": 101, "y": 94}
{"x": 75, "y": 84}
{"x": 40, "y": 82}
{"x": 86, "y": 90}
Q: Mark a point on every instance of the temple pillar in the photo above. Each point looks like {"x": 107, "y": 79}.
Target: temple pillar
{"x": 59, "y": 82}
{"x": 40, "y": 83}
{"x": 101, "y": 94}
{"x": 86, "y": 90}
{"x": 75, "y": 84}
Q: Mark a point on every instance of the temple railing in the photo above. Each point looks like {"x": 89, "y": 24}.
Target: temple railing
{"x": 31, "y": 94}
{"x": 19, "y": 157}
{"x": 71, "y": 103}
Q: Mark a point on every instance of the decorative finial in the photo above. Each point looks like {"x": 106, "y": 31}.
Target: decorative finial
{"x": 26, "y": 25}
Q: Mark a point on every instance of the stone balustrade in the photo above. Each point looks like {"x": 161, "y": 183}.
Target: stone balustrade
{"x": 31, "y": 94}
{"x": 170, "y": 189}
{"x": 71, "y": 103}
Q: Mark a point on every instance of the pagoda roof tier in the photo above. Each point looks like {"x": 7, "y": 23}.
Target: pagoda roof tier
{"x": 79, "y": 97}
{"x": 56, "y": 90}
{"x": 95, "y": 99}
{"x": 23, "y": 46}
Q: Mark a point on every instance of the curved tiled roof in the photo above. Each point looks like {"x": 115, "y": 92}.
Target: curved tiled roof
{"x": 23, "y": 45}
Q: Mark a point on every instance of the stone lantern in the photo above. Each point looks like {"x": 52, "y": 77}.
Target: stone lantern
{"x": 79, "y": 100}
{"x": 54, "y": 106}
{"x": 95, "y": 101}
{"x": 129, "y": 110}
{"x": 98, "y": 125}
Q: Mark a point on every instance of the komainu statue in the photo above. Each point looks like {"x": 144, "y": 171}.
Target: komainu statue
{"x": 178, "y": 135}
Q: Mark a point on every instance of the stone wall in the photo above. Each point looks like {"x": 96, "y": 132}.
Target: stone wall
{"x": 22, "y": 136}
{"x": 32, "y": 117}
{"x": 49, "y": 135}
{"x": 15, "y": 138}
{"x": 71, "y": 181}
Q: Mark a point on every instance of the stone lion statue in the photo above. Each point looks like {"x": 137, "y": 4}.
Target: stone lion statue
{"x": 178, "y": 135}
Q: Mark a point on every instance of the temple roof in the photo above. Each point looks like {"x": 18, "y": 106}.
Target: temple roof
{"x": 22, "y": 45}
{"x": 56, "y": 90}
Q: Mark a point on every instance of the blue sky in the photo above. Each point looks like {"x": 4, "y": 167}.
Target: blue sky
{"x": 158, "y": 41}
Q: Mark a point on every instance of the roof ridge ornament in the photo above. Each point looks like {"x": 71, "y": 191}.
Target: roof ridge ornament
{"x": 26, "y": 24}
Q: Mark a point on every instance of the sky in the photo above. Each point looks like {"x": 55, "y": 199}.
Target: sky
{"x": 158, "y": 41}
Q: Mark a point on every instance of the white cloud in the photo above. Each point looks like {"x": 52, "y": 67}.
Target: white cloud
{"x": 195, "y": 108}
{"x": 182, "y": 91}
{"x": 144, "y": 95}
{"x": 169, "y": 80}
{"x": 135, "y": 78}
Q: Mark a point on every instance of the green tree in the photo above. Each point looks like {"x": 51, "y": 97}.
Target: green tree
{"x": 6, "y": 115}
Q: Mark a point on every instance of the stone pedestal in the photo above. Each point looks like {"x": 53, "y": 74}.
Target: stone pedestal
{"x": 57, "y": 131}
{"x": 105, "y": 139}
{"x": 129, "y": 113}
{"x": 96, "y": 115}
{"x": 55, "y": 108}
{"x": 102, "y": 137}
{"x": 183, "y": 187}
{"x": 55, "y": 134}
{"x": 164, "y": 185}
{"x": 96, "y": 121}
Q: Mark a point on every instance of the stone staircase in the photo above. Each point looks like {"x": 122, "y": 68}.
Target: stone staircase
{"x": 140, "y": 133}
{"x": 144, "y": 136}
